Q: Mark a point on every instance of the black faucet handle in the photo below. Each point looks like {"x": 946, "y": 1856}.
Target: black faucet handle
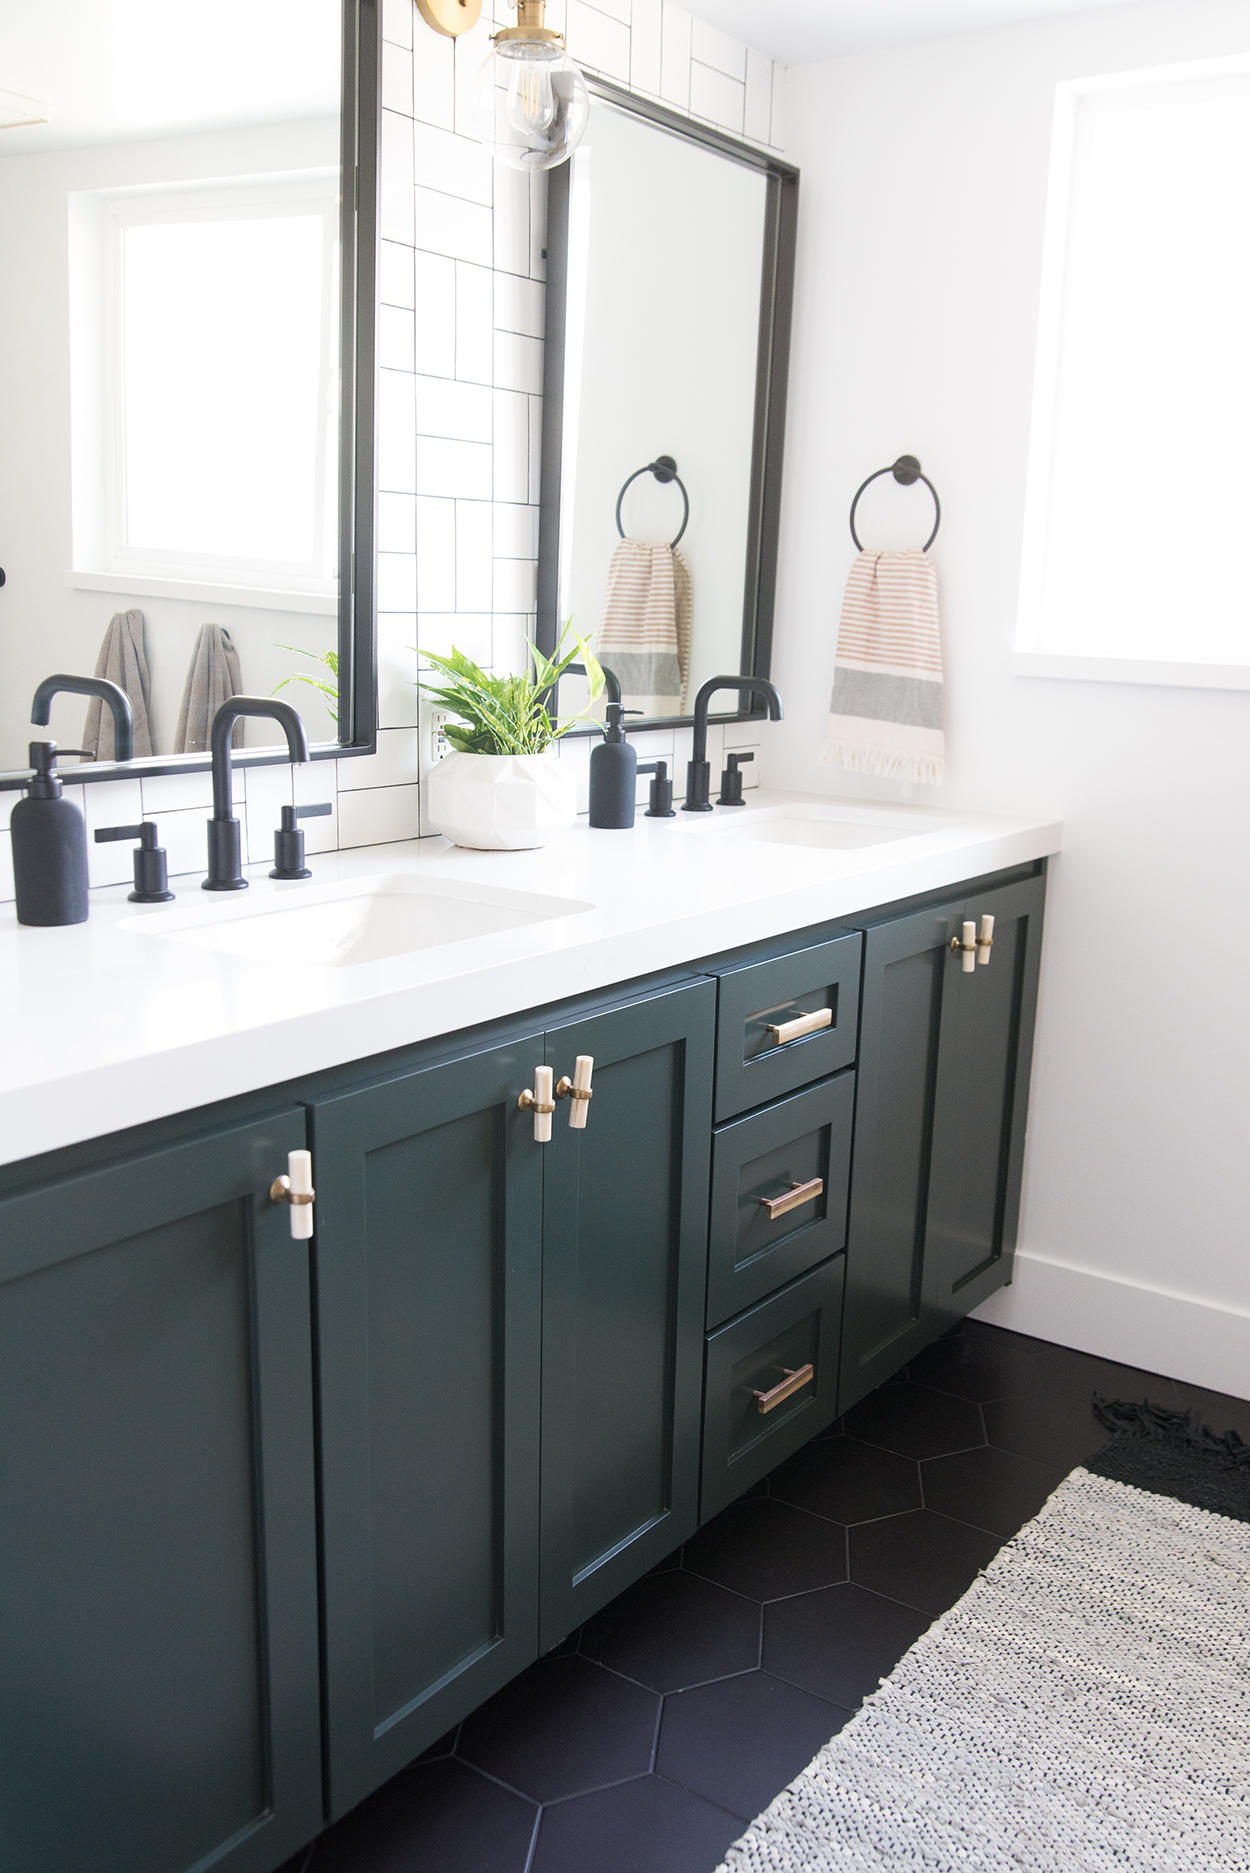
{"x": 151, "y": 868}
{"x": 291, "y": 813}
{"x": 661, "y": 806}
{"x": 288, "y": 841}
{"x": 731, "y": 779}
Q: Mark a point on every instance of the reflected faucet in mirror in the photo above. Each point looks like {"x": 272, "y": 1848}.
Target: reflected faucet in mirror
{"x": 111, "y": 693}
{"x": 698, "y": 770}
{"x": 225, "y": 870}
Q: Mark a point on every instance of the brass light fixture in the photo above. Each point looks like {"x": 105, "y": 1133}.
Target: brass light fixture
{"x": 531, "y": 108}
{"x": 450, "y": 17}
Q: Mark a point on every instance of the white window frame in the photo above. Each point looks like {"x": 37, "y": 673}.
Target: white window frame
{"x": 1026, "y": 658}
{"x": 102, "y": 558}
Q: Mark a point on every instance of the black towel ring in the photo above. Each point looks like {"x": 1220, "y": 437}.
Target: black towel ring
{"x": 664, "y": 468}
{"x": 905, "y": 471}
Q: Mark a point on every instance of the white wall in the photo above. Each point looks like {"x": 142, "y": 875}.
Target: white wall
{"x": 923, "y": 197}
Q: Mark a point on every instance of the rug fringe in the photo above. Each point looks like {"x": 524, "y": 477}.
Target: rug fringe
{"x": 1162, "y": 1425}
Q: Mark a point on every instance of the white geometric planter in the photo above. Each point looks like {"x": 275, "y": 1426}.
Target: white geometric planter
{"x": 501, "y": 802}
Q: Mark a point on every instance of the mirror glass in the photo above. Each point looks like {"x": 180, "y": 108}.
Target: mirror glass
{"x": 667, "y": 258}
{"x": 169, "y": 361}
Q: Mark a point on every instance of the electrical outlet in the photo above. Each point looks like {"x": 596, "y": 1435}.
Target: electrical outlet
{"x": 440, "y": 747}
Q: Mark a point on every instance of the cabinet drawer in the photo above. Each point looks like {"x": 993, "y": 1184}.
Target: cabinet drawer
{"x": 779, "y": 1188}
{"x": 797, "y": 1328}
{"x": 755, "y": 1058}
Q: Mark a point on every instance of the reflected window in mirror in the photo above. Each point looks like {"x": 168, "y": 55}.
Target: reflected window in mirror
{"x": 670, "y": 266}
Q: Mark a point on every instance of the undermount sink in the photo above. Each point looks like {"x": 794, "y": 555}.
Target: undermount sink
{"x": 829, "y": 828}
{"x": 362, "y": 920}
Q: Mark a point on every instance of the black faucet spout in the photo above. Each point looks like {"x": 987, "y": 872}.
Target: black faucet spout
{"x": 111, "y": 693}
{"x": 225, "y": 871}
{"x": 698, "y": 771}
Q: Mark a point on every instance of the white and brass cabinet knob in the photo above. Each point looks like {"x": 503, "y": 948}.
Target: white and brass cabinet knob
{"x": 542, "y": 1101}
{"x": 975, "y": 945}
{"x": 296, "y": 1188}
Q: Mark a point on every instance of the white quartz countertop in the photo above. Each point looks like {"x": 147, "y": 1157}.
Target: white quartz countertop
{"x": 132, "y": 1015}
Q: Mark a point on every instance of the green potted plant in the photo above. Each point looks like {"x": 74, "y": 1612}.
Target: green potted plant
{"x": 504, "y": 788}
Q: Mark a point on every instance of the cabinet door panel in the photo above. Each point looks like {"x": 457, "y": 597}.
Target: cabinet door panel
{"x": 427, "y": 1293}
{"x": 624, "y": 1277}
{"x": 979, "y": 1144}
{"x": 889, "y": 1307}
{"x": 158, "y": 1614}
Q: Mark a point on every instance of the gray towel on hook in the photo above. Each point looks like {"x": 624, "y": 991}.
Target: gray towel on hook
{"x": 123, "y": 660}
{"x": 211, "y": 680}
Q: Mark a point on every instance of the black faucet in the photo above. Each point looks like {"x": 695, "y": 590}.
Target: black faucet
{"x": 111, "y": 693}
{"x": 225, "y": 871}
{"x": 698, "y": 770}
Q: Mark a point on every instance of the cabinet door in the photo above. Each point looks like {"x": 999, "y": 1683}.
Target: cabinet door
{"x": 624, "y": 1280}
{"x": 974, "y": 1192}
{"x": 159, "y": 1704}
{"x": 428, "y": 1290}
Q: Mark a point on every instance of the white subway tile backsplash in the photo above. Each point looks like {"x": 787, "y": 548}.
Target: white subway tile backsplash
{"x": 184, "y": 836}
{"x": 759, "y": 97}
{"x": 473, "y": 556}
{"x": 397, "y": 21}
{"x": 112, "y": 803}
{"x": 397, "y": 523}
{"x": 516, "y": 531}
{"x": 518, "y": 362}
{"x": 538, "y": 227}
{"x": 172, "y": 793}
{"x": 394, "y": 764}
{"x": 397, "y": 669}
{"x": 712, "y": 47}
{"x": 512, "y": 220}
{"x": 397, "y": 582}
{"x": 460, "y": 469}
{"x": 510, "y": 638}
{"x": 397, "y": 78}
{"x": 597, "y": 40}
{"x": 436, "y": 554}
{"x": 395, "y": 281}
{"x": 644, "y": 46}
{"x": 620, "y": 10}
{"x": 446, "y": 225}
{"x": 474, "y": 332}
{"x": 716, "y": 97}
{"x": 675, "y": 56}
{"x": 471, "y": 49}
{"x": 453, "y": 164}
{"x": 448, "y": 408}
{"x": 395, "y": 208}
{"x": 379, "y": 816}
{"x": 269, "y": 790}
{"x": 515, "y": 585}
{"x": 435, "y": 298}
{"x": 777, "y": 129}
{"x": 397, "y": 343}
{"x": 520, "y": 305}
{"x": 397, "y": 432}
{"x": 444, "y": 632}
{"x": 433, "y": 77}
{"x": 511, "y": 451}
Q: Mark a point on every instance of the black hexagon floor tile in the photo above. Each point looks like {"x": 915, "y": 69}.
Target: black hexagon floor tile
{"x": 1063, "y": 1433}
{"x": 741, "y": 1741}
{"x": 647, "y": 1826}
{"x": 989, "y": 1488}
{"x": 438, "y": 1814}
{"x": 847, "y": 1481}
{"x": 915, "y": 1421}
{"x": 969, "y": 1365}
{"x": 564, "y": 1726}
{"x": 768, "y": 1549}
{"x": 671, "y": 1631}
{"x": 921, "y": 1559}
{"x": 838, "y": 1643}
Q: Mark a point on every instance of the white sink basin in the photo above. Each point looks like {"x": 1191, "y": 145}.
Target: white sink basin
{"x": 829, "y": 828}
{"x": 362, "y": 920}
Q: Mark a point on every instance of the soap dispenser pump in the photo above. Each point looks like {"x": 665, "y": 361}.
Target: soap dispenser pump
{"x": 613, "y": 775}
{"x": 49, "y": 848}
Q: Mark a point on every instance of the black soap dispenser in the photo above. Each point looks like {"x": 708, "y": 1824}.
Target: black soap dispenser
{"x": 49, "y": 848}
{"x": 613, "y": 776}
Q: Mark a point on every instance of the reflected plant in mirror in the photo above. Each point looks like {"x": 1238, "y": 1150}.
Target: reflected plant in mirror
{"x": 170, "y": 361}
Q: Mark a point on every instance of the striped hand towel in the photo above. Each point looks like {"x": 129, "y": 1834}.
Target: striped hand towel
{"x": 886, "y": 713}
{"x": 645, "y": 634}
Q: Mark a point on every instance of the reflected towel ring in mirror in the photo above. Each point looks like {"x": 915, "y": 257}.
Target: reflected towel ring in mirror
{"x": 905, "y": 471}
{"x": 664, "y": 468}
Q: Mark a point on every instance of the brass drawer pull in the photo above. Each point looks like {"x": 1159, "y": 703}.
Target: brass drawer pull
{"x": 783, "y": 1031}
{"x": 791, "y": 1199}
{"x": 577, "y": 1091}
{"x": 794, "y": 1381}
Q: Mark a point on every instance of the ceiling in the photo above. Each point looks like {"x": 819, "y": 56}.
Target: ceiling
{"x": 796, "y": 31}
{"x": 113, "y": 69}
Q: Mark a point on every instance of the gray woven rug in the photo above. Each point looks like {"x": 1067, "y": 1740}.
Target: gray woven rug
{"x": 1084, "y": 1708}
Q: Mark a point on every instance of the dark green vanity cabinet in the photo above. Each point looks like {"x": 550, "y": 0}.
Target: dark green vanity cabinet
{"x": 939, "y": 1130}
{"x": 461, "y": 1269}
{"x": 158, "y": 1582}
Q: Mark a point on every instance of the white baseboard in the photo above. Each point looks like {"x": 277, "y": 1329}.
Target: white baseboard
{"x": 1158, "y": 1329}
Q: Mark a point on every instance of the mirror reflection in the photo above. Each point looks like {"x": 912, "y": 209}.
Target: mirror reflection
{"x": 169, "y": 362}
{"x": 659, "y": 422}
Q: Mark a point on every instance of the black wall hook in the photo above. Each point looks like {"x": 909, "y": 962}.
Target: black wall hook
{"x": 664, "y": 468}
{"x": 905, "y": 471}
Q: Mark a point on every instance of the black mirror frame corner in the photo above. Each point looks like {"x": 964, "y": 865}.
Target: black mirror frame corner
{"x": 357, "y": 628}
{"x": 772, "y": 371}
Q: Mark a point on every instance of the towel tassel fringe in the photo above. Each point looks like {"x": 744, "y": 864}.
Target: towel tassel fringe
{"x": 885, "y": 763}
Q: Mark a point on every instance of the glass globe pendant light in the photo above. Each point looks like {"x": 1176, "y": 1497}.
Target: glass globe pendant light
{"x": 531, "y": 106}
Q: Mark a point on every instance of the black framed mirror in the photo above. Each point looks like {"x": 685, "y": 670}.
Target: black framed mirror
{"x": 187, "y": 369}
{"x": 670, "y": 278}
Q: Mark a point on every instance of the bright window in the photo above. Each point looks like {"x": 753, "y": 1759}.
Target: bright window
{"x": 1139, "y": 478}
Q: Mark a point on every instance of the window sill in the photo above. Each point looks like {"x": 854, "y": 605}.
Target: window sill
{"x": 254, "y": 597}
{"x": 1130, "y": 670}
